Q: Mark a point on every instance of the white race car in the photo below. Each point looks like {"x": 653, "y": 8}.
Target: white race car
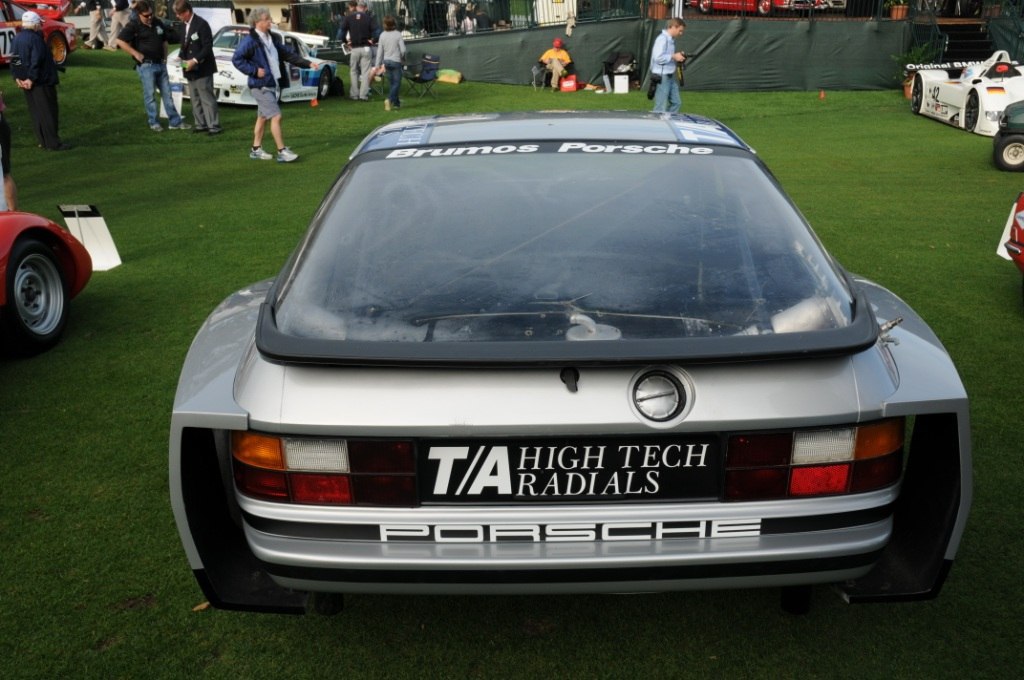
{"x": 232, "y": 86}
{"x": 969, "y": 95}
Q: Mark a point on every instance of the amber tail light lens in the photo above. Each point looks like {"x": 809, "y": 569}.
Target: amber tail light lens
{"x": 325, "y": 471}
{"x": 819, "y": 462}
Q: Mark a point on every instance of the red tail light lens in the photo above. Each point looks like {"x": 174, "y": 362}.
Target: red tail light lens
{"x": 385, "y": 457}
{"x": 760, "y": 450}
{"x": 756, "y": 484}
{"x": 325, "y": 471}
{"x": 321, "y": 489}
{"x": 819, "y": 480}
{"x": 266, "y": 484}
{"x": 383, "y": 489}
{"x": 821, "y": 462}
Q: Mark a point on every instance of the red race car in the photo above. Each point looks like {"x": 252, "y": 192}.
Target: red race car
{"x": 42, "y": 266}
{"x": 60, "y": 36}
{"x": 1011, "y": 243}
{"x": 765, "y": 7}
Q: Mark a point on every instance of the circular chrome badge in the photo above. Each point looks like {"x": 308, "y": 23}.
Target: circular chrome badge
{"x": 659, "y": 396}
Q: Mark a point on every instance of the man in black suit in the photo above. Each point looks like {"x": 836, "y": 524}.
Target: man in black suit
{"x": 198, "y": 65}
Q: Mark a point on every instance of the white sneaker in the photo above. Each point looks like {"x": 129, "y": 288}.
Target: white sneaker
{"x": 286, "y": 155}
{"x": 259, "y": 155}
{"x": 180, "y": 126}
{"x": 156, "y": 127}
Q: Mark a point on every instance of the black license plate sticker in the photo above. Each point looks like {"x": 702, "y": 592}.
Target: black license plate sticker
{"x": 627, "y": 470}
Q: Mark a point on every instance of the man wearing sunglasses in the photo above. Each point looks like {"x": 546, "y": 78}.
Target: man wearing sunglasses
{"x": 145, "y": 38}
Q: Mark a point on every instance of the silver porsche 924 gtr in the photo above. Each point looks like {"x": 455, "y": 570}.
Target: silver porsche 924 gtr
{"x": 568, "y": 352}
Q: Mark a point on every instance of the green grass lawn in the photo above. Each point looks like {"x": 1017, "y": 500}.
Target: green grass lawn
{"x": 94, "y": 581}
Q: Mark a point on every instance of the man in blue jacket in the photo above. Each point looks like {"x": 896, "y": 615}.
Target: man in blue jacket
{"x": 35, "y": 72}
{"x": 261, "y": 56}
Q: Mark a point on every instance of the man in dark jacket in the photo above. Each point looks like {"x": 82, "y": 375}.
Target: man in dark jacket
{"x": 198, "y": 65}
{"x": 261, "y": 56}
{"x": 361, "y": 30}
{"x": 35, "y": 73}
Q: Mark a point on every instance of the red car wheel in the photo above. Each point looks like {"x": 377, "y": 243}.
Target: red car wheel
{"x": 58, "y": 48}
{"x": 36, "y": 298}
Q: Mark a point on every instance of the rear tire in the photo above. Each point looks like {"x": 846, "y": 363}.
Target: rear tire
{"x": 323, "y": 85}
{"x": 917, "y": 94}
{"x": 796, "y": 599}
{"x": 36, "y": 309}
{"x": 326, "y": 604}
{"x": 1008, "y": 152}
{"x": 971, "y": 111}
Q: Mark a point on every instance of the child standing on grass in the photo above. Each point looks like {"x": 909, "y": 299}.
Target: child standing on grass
{"x": 390, "y": 55}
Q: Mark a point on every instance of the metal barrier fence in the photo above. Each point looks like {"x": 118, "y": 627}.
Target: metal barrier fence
{"x": 423, "y": 18}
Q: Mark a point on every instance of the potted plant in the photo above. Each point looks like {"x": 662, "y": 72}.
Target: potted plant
{"x": 918, "y": 54}
{"x": 898, "y": 9}
{"x": 659, "y": 9}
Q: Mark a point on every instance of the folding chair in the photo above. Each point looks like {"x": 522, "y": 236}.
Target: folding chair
{"x": 422, "y": 81}
{"x": 540, "y": 76}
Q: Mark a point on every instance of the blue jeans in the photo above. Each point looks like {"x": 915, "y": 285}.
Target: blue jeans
{"x": 666, "y": 96}
{"x": 154, "y": 76}
{"x": 394, "y": 70}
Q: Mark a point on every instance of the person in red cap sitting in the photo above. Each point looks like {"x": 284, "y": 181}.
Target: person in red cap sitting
{"x": 557, "y": 61}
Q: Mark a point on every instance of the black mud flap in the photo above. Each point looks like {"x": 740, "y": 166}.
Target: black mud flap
{"x": 232, "y": 578}
{"x": 913, "y": 566}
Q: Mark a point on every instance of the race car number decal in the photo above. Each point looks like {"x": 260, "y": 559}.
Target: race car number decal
{"x": 6, "y": 40}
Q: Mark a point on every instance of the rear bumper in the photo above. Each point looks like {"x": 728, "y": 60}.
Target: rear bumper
{"x": 578, "y": 548}
{"x": 590, "y": 567}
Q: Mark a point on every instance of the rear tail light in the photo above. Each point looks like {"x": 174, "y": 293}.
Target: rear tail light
{"x": 325, "y": 471}
{"x": 806, "y": 463}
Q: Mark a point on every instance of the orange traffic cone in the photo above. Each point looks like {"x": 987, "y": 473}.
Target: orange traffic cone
{"x": 314, "y": 102}
{"x": 821, "y": 95}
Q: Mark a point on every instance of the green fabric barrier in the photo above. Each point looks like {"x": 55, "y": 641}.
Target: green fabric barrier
{"x": 732, "y": 55}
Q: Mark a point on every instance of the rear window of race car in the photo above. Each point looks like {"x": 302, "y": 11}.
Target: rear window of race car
{"x": 555, "y": 242}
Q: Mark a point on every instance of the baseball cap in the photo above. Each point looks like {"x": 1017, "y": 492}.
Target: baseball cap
{"x": 557, "y": 42}
{"x": 31, "y": 18}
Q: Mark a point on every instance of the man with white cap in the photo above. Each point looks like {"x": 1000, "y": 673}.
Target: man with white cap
{"x": 35, "y": 72}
